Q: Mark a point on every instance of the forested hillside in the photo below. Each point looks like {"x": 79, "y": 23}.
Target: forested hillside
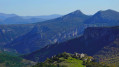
{"x": 7, "y": 60}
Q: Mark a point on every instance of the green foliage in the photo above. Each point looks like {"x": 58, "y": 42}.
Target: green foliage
{"x": 94, "y": 64}
{"x": 45, "y": 65}
{"x": 67, "y": 60}
{"x": 12, "y": 61}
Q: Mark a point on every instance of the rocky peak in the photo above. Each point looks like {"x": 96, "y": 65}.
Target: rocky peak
{"x": 77, "y": 12}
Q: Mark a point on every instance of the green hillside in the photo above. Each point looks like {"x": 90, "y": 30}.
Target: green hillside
{"x": 13, "y": 61}
{"x": 69, "y": 60}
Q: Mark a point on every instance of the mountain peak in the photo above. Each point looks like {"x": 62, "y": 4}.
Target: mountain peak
{"x": 110, "y": 10}
{"x": 108, "y": 16}
{"x": 77, "y": 12}
{"x": 74, "y": 16}
{"x": 107, "y": 11}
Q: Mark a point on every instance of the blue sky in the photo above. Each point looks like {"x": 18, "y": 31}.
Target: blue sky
{"x": 47, "y": 7}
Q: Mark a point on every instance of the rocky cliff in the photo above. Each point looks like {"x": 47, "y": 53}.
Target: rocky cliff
{"x": 94, "y": 42}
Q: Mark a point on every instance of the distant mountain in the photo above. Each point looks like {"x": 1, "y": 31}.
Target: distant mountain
{"x": 51, "y": 31}
{"x": 47, "y": 17}
{"x": 4, "y": 16}
{"x": 15, "y": 19}
{"x": 100, "y": 42}
{"x": 20, "y": 20}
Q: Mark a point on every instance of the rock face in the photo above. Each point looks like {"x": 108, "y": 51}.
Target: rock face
{"x": 107, "y": 34}
{"x": 10, "y": 32}
{"x": 93, "y": 41}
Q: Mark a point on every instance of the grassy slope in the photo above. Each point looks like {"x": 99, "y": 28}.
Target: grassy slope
{"x": 72, "y": 62}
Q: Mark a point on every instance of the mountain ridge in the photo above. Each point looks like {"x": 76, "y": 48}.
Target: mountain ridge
{"x": 43, "y": 33}
{"x": 16, "y": 19}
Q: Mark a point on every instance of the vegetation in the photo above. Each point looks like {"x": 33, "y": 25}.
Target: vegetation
{"x": 13, "y": 61}
{"x": 69, "y": 60}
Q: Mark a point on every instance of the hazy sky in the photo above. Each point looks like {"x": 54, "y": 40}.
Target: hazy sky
{"x": 47, "y": 7}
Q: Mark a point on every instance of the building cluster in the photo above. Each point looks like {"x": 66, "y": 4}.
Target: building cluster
{"x": 85, "y": 58}
{"x": 79, "y": 55}
{"x": 82, "y": 56}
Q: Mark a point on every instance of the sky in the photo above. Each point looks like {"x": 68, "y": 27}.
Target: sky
{"x": 48, "y": 7}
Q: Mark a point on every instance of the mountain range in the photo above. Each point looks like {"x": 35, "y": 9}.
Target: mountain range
{"x": 51, "y": 31}
{"x": 73, "y": 32}
{"x": 15, "y": 19}
{"x": 61, "y": 29}
{"x": 31, "y": 37}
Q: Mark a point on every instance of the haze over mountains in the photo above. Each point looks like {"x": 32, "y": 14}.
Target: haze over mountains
{"x": 15, "y": 19}
{"x": 47, "y": 17}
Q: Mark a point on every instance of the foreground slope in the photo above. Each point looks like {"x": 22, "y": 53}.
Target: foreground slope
{"x": 70, "y": 60}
